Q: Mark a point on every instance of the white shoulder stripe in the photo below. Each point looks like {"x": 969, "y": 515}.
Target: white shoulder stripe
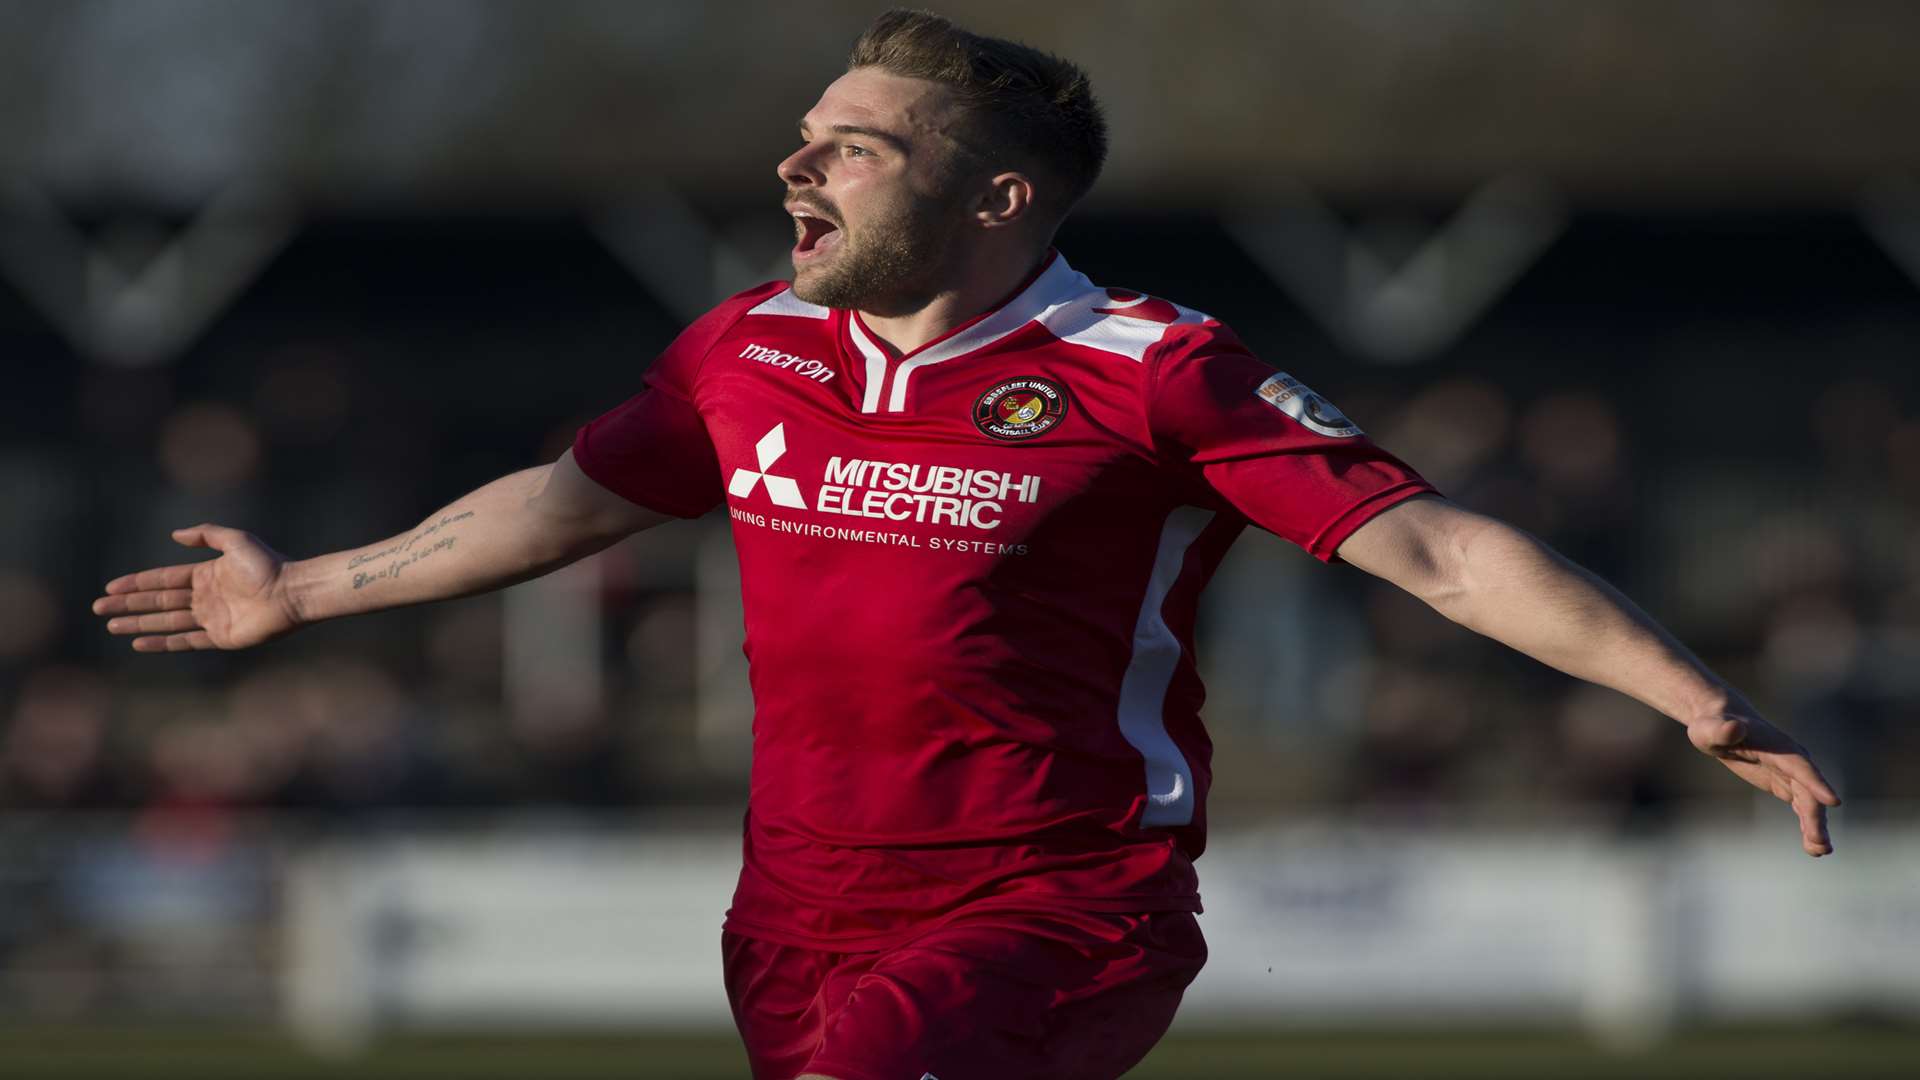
{"x": 1098, "y": 321}
{"x": 785, "y": 303}
{"x": 1061, "y": 299}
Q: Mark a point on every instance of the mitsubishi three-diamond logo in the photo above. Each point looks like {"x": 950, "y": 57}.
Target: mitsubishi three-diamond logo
{"x": 781, "y": 489}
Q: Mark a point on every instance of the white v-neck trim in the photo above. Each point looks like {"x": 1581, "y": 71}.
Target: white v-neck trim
{"x": 1056, "y": 286}
{"x": 876, "y": 358}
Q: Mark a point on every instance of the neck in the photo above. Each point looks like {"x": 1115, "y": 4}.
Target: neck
{"x": 985, "y": 285}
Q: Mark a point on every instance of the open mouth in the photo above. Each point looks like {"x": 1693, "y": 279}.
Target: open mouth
{"x": 813, "y": 234}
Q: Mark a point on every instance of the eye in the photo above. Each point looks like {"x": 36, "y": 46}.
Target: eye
{"x": 853, "y": 150}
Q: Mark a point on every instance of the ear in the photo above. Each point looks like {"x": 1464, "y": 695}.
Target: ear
{"x": 1007, "y": 201}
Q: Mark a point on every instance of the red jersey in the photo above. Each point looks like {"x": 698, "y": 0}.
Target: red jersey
{"x": 970, "y": 575}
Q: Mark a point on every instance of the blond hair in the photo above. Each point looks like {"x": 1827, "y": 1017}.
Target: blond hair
{"x": 1020, "y": 102}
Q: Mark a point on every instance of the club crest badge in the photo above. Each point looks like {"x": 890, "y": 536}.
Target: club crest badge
{"x": 1022, "y": 408}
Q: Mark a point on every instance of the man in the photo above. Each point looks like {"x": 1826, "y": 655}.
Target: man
{"x": 974, "y": 498}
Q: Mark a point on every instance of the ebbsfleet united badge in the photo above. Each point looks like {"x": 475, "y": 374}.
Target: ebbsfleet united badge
{"x": 1020, "y": 408}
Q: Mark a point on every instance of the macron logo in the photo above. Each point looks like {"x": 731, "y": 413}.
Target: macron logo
{"x": 781, "y": 489}
{"x": 799, "y": 365}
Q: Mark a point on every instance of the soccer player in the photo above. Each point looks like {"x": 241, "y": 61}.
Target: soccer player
{"x": 975, "y": 498}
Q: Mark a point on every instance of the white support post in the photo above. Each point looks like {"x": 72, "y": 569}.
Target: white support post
{"x": 1399, "y": 311}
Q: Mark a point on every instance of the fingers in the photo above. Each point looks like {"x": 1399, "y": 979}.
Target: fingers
{"x": 1758, "y": 744}
{"x": 1773, "y": 748}
{"x": 1779, "y": 766}
{"x": 1806, "y": 774}
{"x": 1794, "y": 780}
{"x": 217, "y": 537}
{"x": 135, "y": 603}
{"x": 166, "y": 577}
{"x": 198, "y": 639}
{"x": 165, "y": 622}
{"x": 1814, "y": 838}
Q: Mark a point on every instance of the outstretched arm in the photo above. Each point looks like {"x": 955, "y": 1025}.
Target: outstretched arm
{"x": 1496, "y": 580}
{"x": 517, "y": 527}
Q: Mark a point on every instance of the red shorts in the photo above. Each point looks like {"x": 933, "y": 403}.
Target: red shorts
{"x": 1074, "y": 996}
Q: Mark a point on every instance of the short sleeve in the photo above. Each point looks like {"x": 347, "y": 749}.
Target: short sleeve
{"x": 1278, "y": 453}
{"x": 653, "y": 449}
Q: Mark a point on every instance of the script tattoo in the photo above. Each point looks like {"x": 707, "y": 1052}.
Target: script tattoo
{"x": 404, "y": 553}
{"x": 393, "y": 569}
{"x": 406, "y": 545}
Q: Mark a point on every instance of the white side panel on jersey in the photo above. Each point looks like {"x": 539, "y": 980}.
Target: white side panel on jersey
{"x": 785, "y": 303}
{"x": 1143, "y": 689}
{"x": 876, "y": 365}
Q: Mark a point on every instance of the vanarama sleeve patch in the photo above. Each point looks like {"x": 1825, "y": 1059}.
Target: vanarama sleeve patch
{"x": 1293, "y": 397}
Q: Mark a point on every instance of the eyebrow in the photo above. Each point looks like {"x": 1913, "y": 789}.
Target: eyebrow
{"x": 896, "y": 141}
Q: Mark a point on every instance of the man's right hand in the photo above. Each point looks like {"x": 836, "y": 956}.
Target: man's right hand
{"x": 514, "y": 528}
{"x": 231, "y": 602}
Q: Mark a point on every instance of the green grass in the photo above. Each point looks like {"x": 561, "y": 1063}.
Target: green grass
{"x": 27, "y": 1054}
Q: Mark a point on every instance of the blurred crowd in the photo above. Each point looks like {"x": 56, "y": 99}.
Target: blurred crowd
{"x": 406, "y": 715}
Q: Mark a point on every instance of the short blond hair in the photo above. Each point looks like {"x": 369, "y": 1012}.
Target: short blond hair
{"x": 1021, "y": 102}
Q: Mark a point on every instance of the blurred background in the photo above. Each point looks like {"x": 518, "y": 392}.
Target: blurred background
{"x": 1643, "y": 278}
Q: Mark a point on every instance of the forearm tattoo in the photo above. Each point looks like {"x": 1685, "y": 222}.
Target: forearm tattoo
{"x": 401, "y": 555}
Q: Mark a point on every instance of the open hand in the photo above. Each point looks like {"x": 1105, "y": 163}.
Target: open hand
{"x": 231, "y": 602}
{"x": 1770, "y": 760}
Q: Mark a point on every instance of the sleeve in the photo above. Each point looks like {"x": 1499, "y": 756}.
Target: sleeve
{"x": 653, "y": 449}
{"x": 1278, "y": 453}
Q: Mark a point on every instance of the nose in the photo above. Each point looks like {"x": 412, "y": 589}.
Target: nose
{"x": 802, "y": 168}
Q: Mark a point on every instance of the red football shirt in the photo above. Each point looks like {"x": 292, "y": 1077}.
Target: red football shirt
{"x": 970, "y": 575}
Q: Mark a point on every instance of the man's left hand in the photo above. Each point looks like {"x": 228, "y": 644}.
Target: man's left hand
{"x": 1770, "y": 760}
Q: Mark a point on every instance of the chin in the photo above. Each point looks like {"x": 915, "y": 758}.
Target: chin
{"x": 806, "y": 282}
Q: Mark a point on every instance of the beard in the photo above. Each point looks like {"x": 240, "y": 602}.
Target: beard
{"x": 893, "y": 264}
